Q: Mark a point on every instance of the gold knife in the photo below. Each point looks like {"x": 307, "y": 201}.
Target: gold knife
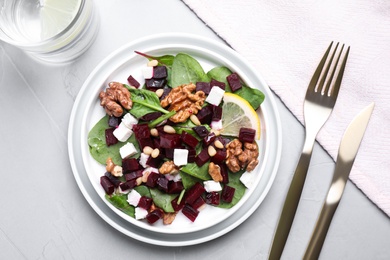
{"x": 346, "y": 156}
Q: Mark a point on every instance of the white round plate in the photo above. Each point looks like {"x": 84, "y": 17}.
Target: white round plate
{"x": 212, "y": 222}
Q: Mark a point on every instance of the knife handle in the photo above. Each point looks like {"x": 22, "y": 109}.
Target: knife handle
{"x": 292, "y": 200}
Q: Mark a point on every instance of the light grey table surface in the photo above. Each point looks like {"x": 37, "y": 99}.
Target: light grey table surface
{"x": 45, "y": 216}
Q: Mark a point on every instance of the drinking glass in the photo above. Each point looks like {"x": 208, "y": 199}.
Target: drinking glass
{"x": 53, "y": 31}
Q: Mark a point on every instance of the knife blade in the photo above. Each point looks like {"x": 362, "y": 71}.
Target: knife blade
{"x": 348, "y": 150}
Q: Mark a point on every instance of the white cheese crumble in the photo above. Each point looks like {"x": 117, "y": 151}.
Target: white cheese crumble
{"x": 129, "y": 120}
{"x": 122, "y": 132}
{"x": 147, "y": 72}
{"x": 140, "y": 213}
{"x": 247, "y": 179}
{"x": 127, "y": 150}
{"x": 211, "y": 186}
{"x": 143, "y": 159}
{"x": 180, "y": 157}
{"x": 133, "y": 198}
{"x": 215, "y": 96}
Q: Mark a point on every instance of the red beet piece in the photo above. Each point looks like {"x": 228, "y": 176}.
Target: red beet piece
{"x": 133, "y": 82}
{"x": 141, "y": 131}
{"x": 153, "y": 216}
{"x": 154, "y": 84}
{"x": 203, "y": 86}
{"x": 247, "y": 135}
{"x": 228, "y": 194}
{"x": 216, "y": 83}
{"x": 189, "y": 140}
{"x": 204, "y": 115}
{"x": 128, "y": 184}
{"x": 145, "y": 202}
{"x": 212, "y": 198}
{"x": 160, "y": 72}
{"x": 209, "y": 139}
{"x": 110, "y": 137}
{"x": 219, "y": 157}
{"x": 202, "y": 157}
{"x": 166, "y": 92}
{"x": 191, "y": 155}
{"x": 155, "y": 162}
{"x": 216, "y": 113}
{"x": 224, "y": 173}
{"x": 145, "y": 142}
{"x": 190, "y": 212}
{"x": 113, "y": 121}
{"x": 162, "y": 183}
{"x": 133, "y": 175}
{"x": 170, "y": 141}
{"x": 175, "y": 187}
{"x": 198, "y": 203}
{"x": 194, "y": 192}
{"x": 151, "y": 182}
{"x": 114, "y": 180}
{"x": 234, "y": 81}
{"x": 176, "y": 206}
{"x": 201, "y": 131}
{"x": 169, "y": 153}
{"x": 107, "y": 185}
{"x": 130, "y": 165}
{"x": 151, "y": 116}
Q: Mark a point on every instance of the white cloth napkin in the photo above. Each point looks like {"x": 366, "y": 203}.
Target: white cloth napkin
{"x": 285, "y": 40}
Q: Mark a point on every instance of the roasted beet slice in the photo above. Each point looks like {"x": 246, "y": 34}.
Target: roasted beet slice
{"x": 160, "y": 72}
{"x": 203, "y": 86}
{"x": 219, "y": 157}
{"x": 167, "y": 90}
{"x": 169, "y": 153}
{"x": 194, "y": 192}
{"x": 190, "y": 212}
{"x": 216, "y": 83}
{"x": 209, "y": 139}
{"x": 145, "y": 202}
{"x": 212, "y": 198}
{"x": 228, "y": 194}
{"x": 133, "y": 82}
{"x": 189, "y": 140}
{"x": 198, "y": 203}
{"x": 130, "y": 165}
{"x": 113, "y": 121}
{"x": 175, "y": 187}
{"x": 202, "y": 157}
{"x": 129, "y": 184}
{"x": 205, "y": 114}
{"x": 155, "y": 215}
{"x": 141, "y": 131}
{"x": 133, "y": 175}
{"x": 176, "y": 206}
{"x": 162, "y": 183}
{"x": 201, "y": 131}
{"x": 151, "y": 116}
{"x": 151, "y": 182}
{"x": 154, "y": 84}
{"x": 191, "y": 155}
{"x": 170, "y": 140}
{"x": 234, "y": 81}
{"x": 107, "y": 185}
{"x": 224, "y": 173}
{"x": 110, "y": 137}
{"x": 247, "y": 135}
{"x": 145, "y": 142}
{"x": 216, "y": 113}
{"x": 114, "y": 180}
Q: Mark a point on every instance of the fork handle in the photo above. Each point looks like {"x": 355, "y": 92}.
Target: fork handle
{"x": 292, "y": 200}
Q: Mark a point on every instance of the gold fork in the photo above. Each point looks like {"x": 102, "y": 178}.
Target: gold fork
{"x": 320, "y": 99}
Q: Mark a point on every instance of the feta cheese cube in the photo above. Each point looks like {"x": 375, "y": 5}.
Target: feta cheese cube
{"x": 127, "y": 150}
{"x": 216, "y": 125}
{"x": 147, "y": 72}
{"x": 140, "y": 213}
{"x": 180, "y": 157}
{"x": 211, "y": 186}
{"x": 129, "y": 120}
{"x": 215, "y": 96}
{"x": 143, "y": 159}
{"x": 133, "y": 198}
{"x": 247, "y": 179}
{"x": 122, "y": 132}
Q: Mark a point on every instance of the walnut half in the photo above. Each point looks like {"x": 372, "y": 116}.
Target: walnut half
{"x": 114, "y": 98}
{"x": 240, "y": 157}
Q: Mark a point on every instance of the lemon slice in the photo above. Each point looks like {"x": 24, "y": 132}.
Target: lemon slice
{"x": 56, "y": 15}
{"x": 237, "y": 113}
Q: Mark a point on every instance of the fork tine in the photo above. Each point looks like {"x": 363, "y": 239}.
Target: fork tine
{"x": 336, "y": 87}
{"x": 325, "y": 73}
{"x": 335, "y": 66}
{"x": 317, "y": 73}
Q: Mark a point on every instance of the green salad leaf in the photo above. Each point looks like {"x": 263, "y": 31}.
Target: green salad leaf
{"x": 120, "y": 201}
{"x": 198, "y": 172}
{"x": 186, "y": 69}
{"x": 163, "y": 200}
{"x": 234, "y": 182}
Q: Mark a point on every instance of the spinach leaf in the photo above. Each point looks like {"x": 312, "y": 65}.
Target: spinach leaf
{"x": 254, "y": 96}
{"x": 166, "y": 60}
{"x": 144, "y": 102}
{"x": 186, "y": 69}
{"x": 198, "y": 172}
{"x": 143, "y": 191}
{"x": 98, "y": 147}
{"x": 188, "y": 180}
{"x": 234, "y": 182}
{"x": 163, "y": 200}
{"x": 120, "y": 202}
{"x": 157, "y": 121}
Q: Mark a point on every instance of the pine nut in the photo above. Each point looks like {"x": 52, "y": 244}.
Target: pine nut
{"x": 159, "y": 92}
{"x": 154, "y": 132}
{"x": 169, "y": 129}
{"x": 144, "y": 177}
{"x": 138, "y": 181}
{"x": 194, "y": 119}
{"x": 218, "y": 144}
{"x": 216, "y": 132}
{"x": 152, "y": 63}
{"x": 147, "y": 150}
{"x": 155, "y": 153}
{"x": 211, "y": 150}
